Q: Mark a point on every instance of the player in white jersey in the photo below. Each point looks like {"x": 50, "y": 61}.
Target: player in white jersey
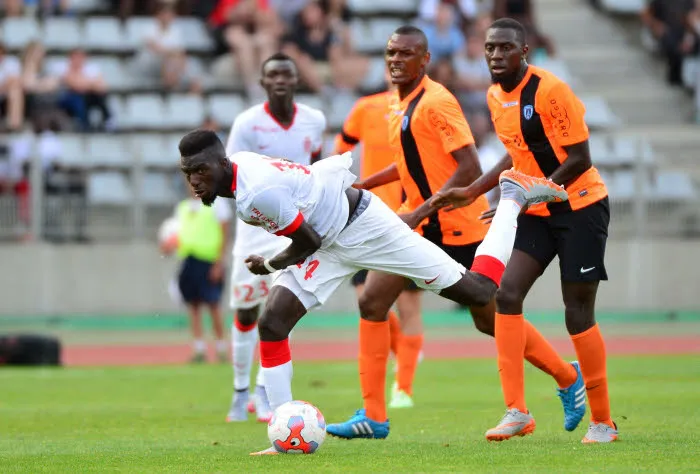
{"x": 278, "y": 127}
{"x": 336, "y": 230}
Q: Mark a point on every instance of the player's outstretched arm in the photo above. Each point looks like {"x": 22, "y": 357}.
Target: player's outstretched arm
{"x": 453, "y": 198}
{"x": 385, "y": 176}
{"x": 305, "y": 241}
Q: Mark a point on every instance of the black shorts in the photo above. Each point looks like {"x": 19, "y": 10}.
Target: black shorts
{"x": 194, "y": 283}
{"x": 577, "y": 237}
{"x": 463, "y": 254}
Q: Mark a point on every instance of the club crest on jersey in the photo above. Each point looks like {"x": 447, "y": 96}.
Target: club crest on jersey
{"x": 528, "y": 111}
{"x": 404, "y": 123}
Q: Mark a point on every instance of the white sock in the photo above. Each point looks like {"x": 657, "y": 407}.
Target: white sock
{"x": 493, "y": 254}
{"x": 260, "y": 378}
{"x": 243, "y": 348}
{"x": 199, "y": 346}
{"x": 278, "y": 384}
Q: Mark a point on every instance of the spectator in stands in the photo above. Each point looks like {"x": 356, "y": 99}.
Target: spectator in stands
{"x": 249, "y": 30}
{"x": 445, "y": 38}
{"x": 162, "y": 53}
{"x": 287, "y": 10}
{"x": 64, "y": 187}
{"x": 41, "y": 88}
{"x": 30, "y": 7}
{"x": 694, "y": 25}
{"x": 473, "y": 75}
{"x": 466, "y": 11}
{"x": 667, "y": 22}
{"x": 84, "y": 90}
{"x": 320, "y": 54}
{"x": 523, "y": 11}
{"x": 11, "y": 96}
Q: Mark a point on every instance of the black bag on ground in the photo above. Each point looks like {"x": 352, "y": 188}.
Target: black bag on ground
{"x": 27, "y": 349}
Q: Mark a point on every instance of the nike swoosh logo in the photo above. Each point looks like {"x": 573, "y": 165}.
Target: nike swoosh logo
{"x": 586, "y": 270}
{"x": 428, "y": 282}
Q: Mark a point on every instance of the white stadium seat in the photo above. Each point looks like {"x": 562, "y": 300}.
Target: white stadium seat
{"x": 136, "y": 28}
{"x": 104, "y": 34}
{"x": 150, "y": 149}
{"x": 81, "y": 6}
{"x": 110, "y": 187}
{"x": 631, "y": 7}
{"x": 598, "y": 113}
{"x": 374, "y": 79}
{"x": 224, "y": 108}
{"x": 195, "y": 34}
{"x": 184, "y": 111}
{"x": 73, "y": 151}
{"x": 62, "y": 34}
{"x": 674, "y": 185}
{"x": 107, "y": 150}
{"x": 157, "y": 188}
{"x": 17, "y": 32}
{"x": 340, "y": 107}
{"x": 146, "y": 111}
{"x": 312, "y": 100}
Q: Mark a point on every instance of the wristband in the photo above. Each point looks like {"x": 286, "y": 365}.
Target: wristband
{"x": 270, "y": 268}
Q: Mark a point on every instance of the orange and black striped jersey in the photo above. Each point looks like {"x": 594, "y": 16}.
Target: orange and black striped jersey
{"x": 535, "y": 121}
{"x": 368, "y": 123}
{"x": 425, "y": 128}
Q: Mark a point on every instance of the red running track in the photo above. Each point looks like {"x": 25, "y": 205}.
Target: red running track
{"x": 86, "y": 355}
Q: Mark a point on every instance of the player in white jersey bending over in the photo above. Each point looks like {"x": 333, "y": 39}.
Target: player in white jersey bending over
{"x": 336, "y": 230}
{"x": 278, "y": 127}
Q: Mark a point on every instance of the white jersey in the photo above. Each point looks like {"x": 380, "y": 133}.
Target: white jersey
{"x": 279, "y": 195}
{"x": 256, "y": 130}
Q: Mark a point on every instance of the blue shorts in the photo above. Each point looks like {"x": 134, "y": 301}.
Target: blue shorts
{"x": 194, "y": 282}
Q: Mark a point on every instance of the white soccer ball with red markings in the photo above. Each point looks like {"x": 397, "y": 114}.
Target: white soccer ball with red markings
{"x": 297, "y": 427}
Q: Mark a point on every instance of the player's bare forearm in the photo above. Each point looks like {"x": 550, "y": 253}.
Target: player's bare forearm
{"x": 385, "y": 176}
{"x": 577, "y": 162}
{"x": 305, "y": 241}
{"x": 489, "y": 180}
{"x": 468, "y": 171}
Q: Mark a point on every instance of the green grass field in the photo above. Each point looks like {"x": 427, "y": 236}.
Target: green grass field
{"x": 171, "y": 419}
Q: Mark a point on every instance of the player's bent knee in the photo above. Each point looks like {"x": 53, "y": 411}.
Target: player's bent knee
{"x": 509, "y": 300}
{"x": 247, "y": 317}
{"x": 272, "y": 327}
{"x": 373, "y": 309}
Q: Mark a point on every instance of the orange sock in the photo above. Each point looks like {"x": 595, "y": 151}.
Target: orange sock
{"x": 395, "y": 330}
{"x": 374, "y": 353}
{"x": 510, "y": 343}
{"x": 409, "y": 350}
{"x": 540, "y": 353}
{"x": 590, "y": 350}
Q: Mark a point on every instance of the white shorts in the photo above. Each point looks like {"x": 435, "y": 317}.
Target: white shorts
{"x": 249, "y": 290}
{"x": 377, "y": 240}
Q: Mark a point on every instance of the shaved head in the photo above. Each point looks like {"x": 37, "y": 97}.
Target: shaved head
{"x": 409, "y": 30}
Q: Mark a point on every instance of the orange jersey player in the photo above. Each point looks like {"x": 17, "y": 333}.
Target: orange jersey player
{"x": 435, "y": 151}
{"x": 367, "y": 124}
{"x": 541, "y": 123}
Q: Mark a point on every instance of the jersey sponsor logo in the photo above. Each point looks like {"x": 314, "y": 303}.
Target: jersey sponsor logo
{"x": 258, "y": 128}
{"x": 258, "y": 218}
{"x": 438, "y": 121}
{"x": 528, "y": 112}
{"x": 560, "y": 117}
{"x": 510, "y": 104}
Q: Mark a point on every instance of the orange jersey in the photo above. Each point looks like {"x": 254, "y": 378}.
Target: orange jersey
{"x": 367, "y": 123}
{"x": 425, "y": 128}
{"x": 535, "y": 122}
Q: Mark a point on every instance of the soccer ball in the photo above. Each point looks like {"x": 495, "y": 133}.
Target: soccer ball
{"x": 168, "y": 235}
{"x": 297, "y": 427}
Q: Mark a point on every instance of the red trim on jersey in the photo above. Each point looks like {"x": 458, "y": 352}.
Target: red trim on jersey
{"x": 234, "y": 166}
{"x": 266, "y": 106}
{"x": 291, "y": 227}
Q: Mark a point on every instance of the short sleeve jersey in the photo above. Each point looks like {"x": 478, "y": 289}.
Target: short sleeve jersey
{"x": 368, "y": 124}
{"x": 535, "y": 122}
{"x": 424, "y": 129}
